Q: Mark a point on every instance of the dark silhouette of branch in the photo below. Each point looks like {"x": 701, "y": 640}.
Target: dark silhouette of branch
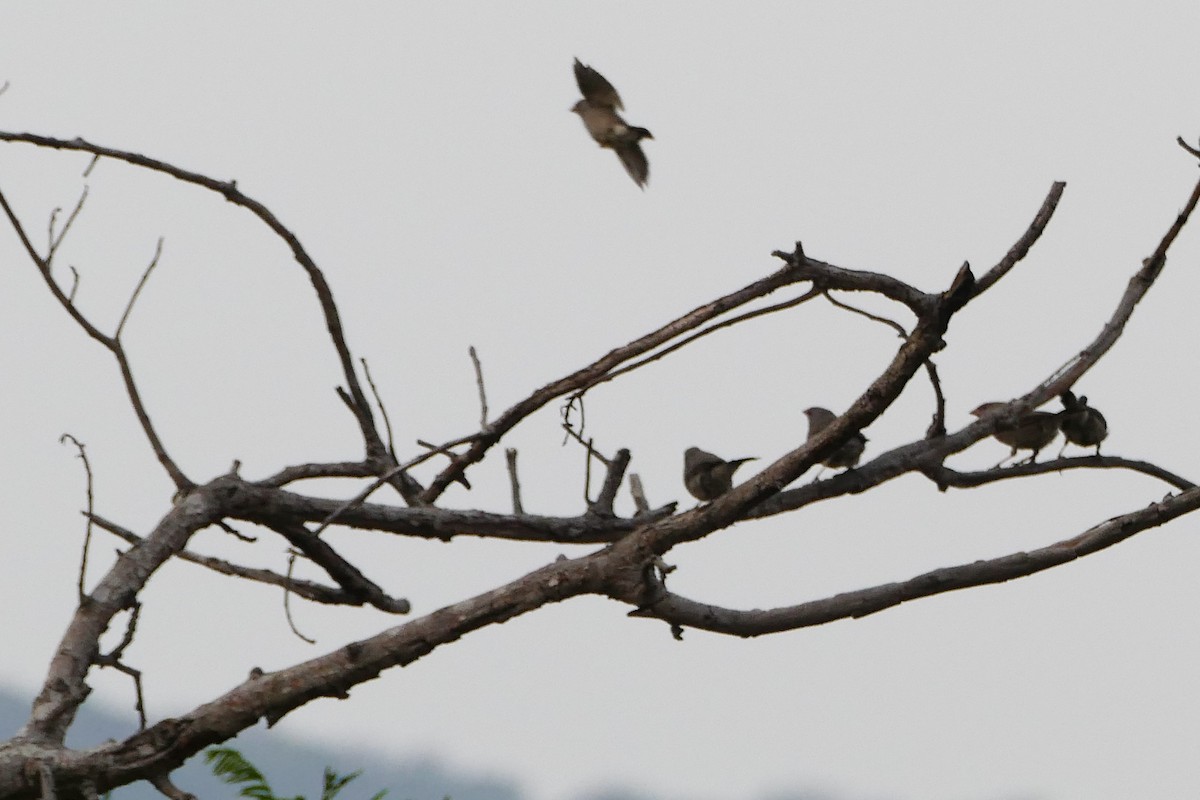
{"x": 666, "y": 351}
{"x": 306, "y": 589}
{"x": 287, "y": 602}
{"x": 603, "y": 504}
{"x": 510, "y": 455}
{"x": 138, "y": 289}
{"x": 1023, "y": 245}
{"x": 230, "y": 191}
{"x": 387, "y": 422}
{"x": 81, "y": 454}
{"x": 483, "y": 407}
{"x": 681, "y": 611}
{"x": 112, "y": 344}
{"x": 345, "y": 574}
{"x": 55, "y": 240}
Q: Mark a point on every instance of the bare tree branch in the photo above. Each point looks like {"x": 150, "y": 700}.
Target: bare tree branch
{"x": 483, "y": 408}
{"x": 138, "y": 289}
{"x": 603, "y": 505}
{"x": 510, "y": 456}
{"x": 91, "y": 501}
{"x": 287, "y": 604}
{"x": 1022, "y": 246}
{"x": 113, "y": 345}
{"x": 306, "y": 589}
{"x": 387, "y": 423}
{"x": 860, "y": 603}
{"x": 55, "y": 240}
{"x": 229, "y": 190}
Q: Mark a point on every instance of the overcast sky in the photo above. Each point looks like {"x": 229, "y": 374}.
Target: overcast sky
{"x": 425, "y": 155}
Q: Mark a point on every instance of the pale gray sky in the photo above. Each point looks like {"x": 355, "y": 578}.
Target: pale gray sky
{"x": 426, "y": 157}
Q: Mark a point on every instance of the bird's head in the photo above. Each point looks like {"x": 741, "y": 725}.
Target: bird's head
{"x": 579, "y": 107}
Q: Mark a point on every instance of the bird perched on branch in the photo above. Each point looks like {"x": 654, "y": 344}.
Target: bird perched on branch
{"x": 598, "y": 110}
{"x": 1033, "y": 431}
{"x": 1081, "y": 424}
{"x": 707, "y": 476}
{"x": 851, "y": 450}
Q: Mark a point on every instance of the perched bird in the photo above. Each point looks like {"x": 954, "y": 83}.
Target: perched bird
{"x": 851, "y": 450}
{"x": 598, "y": 110}
{"x": 706, "y": 476}
{"x": 1033, "y": 431}
{"x": 1081, "y": 424}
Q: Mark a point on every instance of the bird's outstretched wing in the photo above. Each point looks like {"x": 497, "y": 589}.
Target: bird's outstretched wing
{"x": 634, "y": 159}
{"x": 596, "y": 90}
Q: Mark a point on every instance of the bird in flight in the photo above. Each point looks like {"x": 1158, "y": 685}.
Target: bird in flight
{"x": 598, "y": 110}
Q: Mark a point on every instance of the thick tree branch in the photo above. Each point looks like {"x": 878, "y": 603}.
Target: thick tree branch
{"x": 681, "y": 611}
{"x": 263, "y": 505}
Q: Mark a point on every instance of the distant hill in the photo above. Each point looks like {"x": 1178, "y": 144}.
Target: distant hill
{"x": 292, "y": 766}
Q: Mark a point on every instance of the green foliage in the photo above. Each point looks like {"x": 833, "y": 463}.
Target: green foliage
{"x": 232, "y": 767}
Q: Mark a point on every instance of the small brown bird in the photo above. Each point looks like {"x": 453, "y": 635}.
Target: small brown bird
{"x": 1081, "y": 424}
{"x": 1033, "y": 431}
{"x": 598, "y": 110}
{"x": 851, "y": 450}
{"x": 706, "y": 476}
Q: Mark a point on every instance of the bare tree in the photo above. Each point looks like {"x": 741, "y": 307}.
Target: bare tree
{"x": 628, "y": 565}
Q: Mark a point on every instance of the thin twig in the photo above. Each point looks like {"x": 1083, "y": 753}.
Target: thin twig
{"x": 113, "y": 660}
{"x": 87, "y": 533}
{"x": 510, "y": 456}
{"x": 235, "y": 533}
{"x": 113, "y": 345}
{"x": 387, "y": 422}
{"x": 810, "y": 294}
{"x": 896, "y": 326}
{"x": 230, "y": 191}
{"x": 56, "y": 241}
{"x": 287, "y": 606}
{"x": 361, "y": 497}
{"x": 1178, "y": 139}
{"x": 567, "y": 409}
{"x": 138, "y": 289}
{"x": 483, "y": 408}
{"x": 587, "y": 472}
{"x": 588, "y": 444}
{"x": 937, "y": 426}
{"x": 74, "y": 283}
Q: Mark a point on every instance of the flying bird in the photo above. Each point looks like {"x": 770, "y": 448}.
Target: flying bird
{"x": 598, "y": 110}
{"x": 1033, "y": 431}
{"x": 851, "y": 450}
{"x": 707, "y": 476}
{"x": 1081, "y": 424}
